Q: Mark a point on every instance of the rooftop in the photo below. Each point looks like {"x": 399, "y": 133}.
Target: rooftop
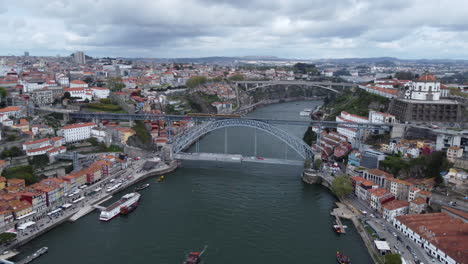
{"x": 395, "y": 204}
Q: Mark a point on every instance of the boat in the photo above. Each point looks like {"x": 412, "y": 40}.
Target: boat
{"x": 342, "y": 259}
{"x": 128, "y": 200}
{"x": 142, "y": 187}
{"x": 195, "y": 257}
{"x": 305, "y": 112}
{"x": 161, "y": 178}
{"x": 338, "y": 229}
{"x": 125, "y": 210}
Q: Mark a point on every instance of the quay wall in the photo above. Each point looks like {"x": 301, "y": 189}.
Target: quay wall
{"x": 314, "y": 177}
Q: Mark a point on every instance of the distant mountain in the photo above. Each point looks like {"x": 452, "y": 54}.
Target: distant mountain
{"x": 391, "y": 60}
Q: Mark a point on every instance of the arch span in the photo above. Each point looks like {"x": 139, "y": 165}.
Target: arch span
{"x": 310, "y": 85}
{"x": 186, "y": 140}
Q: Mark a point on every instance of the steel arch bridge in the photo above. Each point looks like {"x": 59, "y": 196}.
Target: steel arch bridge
{"x": 184, "y": 141}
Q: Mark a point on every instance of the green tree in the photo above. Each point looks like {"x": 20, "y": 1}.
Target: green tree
{"x": 236, "y": 78}
{"x": 115, "y": 84}
{"x": 307, "y": 163}
{"x": 105, "y": 101}
{"x": 66, "y": 95}
{"x": 217, "y": 79}
{"x": 317, "y": 164}
{"x": 196, "y": 81}
{"x": 7, "y": 237}
{"x": 11, "y": 137}
{"x": 12, "y": 152}
{"x": 341, "y": 186}
{"x": 3, "y": 93}
{"x": 93, "y": 141}
{"x": 310, "y": 136}
{"x": 393, "y": 259}
{"x": 40, "y": 161}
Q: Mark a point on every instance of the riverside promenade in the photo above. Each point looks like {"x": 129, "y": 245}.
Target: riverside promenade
{"x": 89, "y": 202}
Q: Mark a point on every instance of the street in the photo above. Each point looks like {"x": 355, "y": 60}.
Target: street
{"x": 398, "y": 243}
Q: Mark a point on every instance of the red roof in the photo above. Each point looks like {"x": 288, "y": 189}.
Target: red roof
{"x": 78, "y": 82}
{"x": 395, "y": 204}
{"x": 36, "y": 141}
{"x": 79, "y": 125}
{"x": 427, "y": 78}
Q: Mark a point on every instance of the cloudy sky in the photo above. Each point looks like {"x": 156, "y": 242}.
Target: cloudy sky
{"x": 195, "y": 28}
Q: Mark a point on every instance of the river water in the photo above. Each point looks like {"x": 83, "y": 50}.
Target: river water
{"x": 249, "y": 213}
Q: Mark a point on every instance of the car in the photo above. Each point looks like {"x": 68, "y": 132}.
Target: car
{"x": 363, "y": 212}
{"x": 372, "y": 215}
{"x": 394, "y": 234}
{"x": 408, "y": 247}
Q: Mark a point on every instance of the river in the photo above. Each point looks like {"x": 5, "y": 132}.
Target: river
{"x": 249, "y": 214}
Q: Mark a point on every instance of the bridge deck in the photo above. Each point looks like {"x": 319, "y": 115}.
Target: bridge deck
{"x": 235, "y": 158}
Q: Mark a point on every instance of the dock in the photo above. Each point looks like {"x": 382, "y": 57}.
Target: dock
{"x": 7, "y": 256}
{"x": 341, "y": 212}
{"x": 34, "y": 256}
{"x": 88, "y": 209}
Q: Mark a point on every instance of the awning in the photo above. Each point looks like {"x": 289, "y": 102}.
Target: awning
{"x": 65, "y": 206}
{"x": 26, "y": 225}
{"x": 55, "y": 211}
{"x": 26, "y": 215}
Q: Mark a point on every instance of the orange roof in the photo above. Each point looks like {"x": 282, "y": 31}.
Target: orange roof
{"x": 395, "y": 204}
{"x": 77, "y": 125}
{"x": 380, "y": 173}
{"x": 358, "y": 178}
{"x": 2, "y": 162}
{"x": 2, "y": 179}
{"x": 427, "y": 78}
{"x": 10, "y": 109}
{"x": 36, "y": 141}
{"x": 78, "y": 82}
{"x": 379, "y": 192}
{"x": 419, "y": 200}
{"x": 368, "y": 183}
{"x": 39, "y": 149}
{"x": 399, "y": 181}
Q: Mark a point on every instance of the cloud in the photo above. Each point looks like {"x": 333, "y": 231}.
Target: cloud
{"x": 182, "y": 28}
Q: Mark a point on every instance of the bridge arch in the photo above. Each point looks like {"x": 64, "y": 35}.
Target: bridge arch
{"x": 186, "y": 140}
{"x": 310, "y": 85}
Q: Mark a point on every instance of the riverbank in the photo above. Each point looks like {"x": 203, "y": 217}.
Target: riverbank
{"x": 346, "y": 210}
{"x": 88, "y": 205}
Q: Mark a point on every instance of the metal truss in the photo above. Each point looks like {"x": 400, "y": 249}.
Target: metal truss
{"x": 298, "y": 145}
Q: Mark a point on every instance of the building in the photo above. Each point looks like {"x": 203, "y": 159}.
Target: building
{"x": 458, "y": 179}
{"x": 352, "y": 134}
{"x": 394, "y": 208}
{"x": 378, "y": 197}
{"x": 77, "y": 132}
{"x": 78, "y": 84}
{"x": 399, "y": 188}
{"x": 377, "y": 176}
{"x": 453, "y": 153}
{"x": 80, "y": 94}
{"x": 123, "y": 133}
{"x": 442, "y": 236}
{"x": 14, "y": 111}
{"x": 79, "y": 57}
{"x": 100, "y": 92}
{"x": 36, "y": 199}
{"x": 417, "y": 206}
{"x": 363, "y": 188}
{"x": 426, "y": 88}
{"x": 44, "y": 146}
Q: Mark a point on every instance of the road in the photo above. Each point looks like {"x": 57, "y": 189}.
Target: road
{"x": 385, "y": 229}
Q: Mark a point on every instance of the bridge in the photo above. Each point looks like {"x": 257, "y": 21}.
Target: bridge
{"x": 334, "y": 87}
{"x": 205, "y": 124}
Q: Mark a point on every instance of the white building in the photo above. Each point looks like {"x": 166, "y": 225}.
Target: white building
{"x": 100, "y": 92}
{"x": 14, "y": 111}
{"x": 395, "y": 208}
{"x": 381, "y": 118}
{"x": 77, "y": 132}
{"x": 426, "y": 88}
{"x": 439, "y": 234}
{"x": 63, "y": 80}
{"x": 81, "y": 93}
{"x": 32, "y": 86}
{"x": 350, "y": 133}
{"x": 454, "y": 152}
{"x": 78, "y": 84}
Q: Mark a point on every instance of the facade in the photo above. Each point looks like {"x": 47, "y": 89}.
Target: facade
{"x": 15, "y": 111}
{"x": 407, "y": 110}
{"x": 394, "y": 208}
{"x": 377, "y": 176}
{"x": 426, "y": 88}
{"x": 78, "y": 84}
{"x": 77, "y": 132}
{"x": 378, "y": 197}
{"x": 399, "y": 188}
{"x": 351, "y": 134}
{"x": 453, "y": 153}
{"x": 36, "y": 199}
{"x": 443, "y": 237}
{"x": 417, "y": 206}
{"x": 79, "y": 57}
{"x": 362, "y": 189}
{"x": 80, "y": 93}
{"x": 100, "y": 92}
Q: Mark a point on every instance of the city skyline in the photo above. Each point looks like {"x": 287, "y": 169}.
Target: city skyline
{"x": 200, "y": 28}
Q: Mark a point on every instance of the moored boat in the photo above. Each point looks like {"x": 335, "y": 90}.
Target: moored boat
{"x": 142, "y": 187}
{"x": 342, "y": 259}
{"x": 129, "y": 200}
{"x": 338, "y": 229}
{"x": 161, "y": 178}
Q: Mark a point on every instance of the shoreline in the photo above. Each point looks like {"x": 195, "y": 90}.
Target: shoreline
{"x": 353, "y": 218}
{"x": 90, "y": 207}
